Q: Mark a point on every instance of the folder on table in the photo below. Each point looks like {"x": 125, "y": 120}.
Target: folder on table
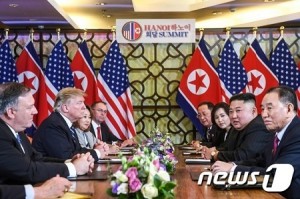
{"x": 96, "y": 175}
{"x": 197, "y": 161}
{"x": 109, "y": 160}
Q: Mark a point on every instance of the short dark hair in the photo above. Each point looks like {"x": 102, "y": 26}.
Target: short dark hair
{"x": 246, "y": 97}
{"x": 10, "y": 92}
{"x": 209, "y": 105}
{"x": 221, "y": 105}
{"x": 286, "y": 95}
{"x": 97, "y": 102}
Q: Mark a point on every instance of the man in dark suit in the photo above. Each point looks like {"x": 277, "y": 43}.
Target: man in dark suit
{"x": 19, "y": 162}
{"x": 279, "y": 112}
{"x": 56, "y": 136}
{"x": 53, "y": 188}
{"x": 251, "y": 134}
{"x": 99, "y": 128}
{"x": 213, "y": 137}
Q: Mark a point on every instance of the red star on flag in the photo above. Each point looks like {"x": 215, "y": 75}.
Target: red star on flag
{"x": 255, "y": 82}
{"x": 198, "y": 82}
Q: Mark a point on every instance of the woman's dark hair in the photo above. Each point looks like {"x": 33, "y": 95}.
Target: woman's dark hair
{"x": 76, "y": 124}
{"x": 218, "y": 106}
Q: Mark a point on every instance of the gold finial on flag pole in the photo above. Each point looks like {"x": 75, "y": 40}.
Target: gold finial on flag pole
{"x": 6, "y": 32}
{"x": 58, "y": 33}
{"x": 228, "y": 32}
{"x": 281, "y": 30}
{"x": 201, "y": 30}
{"x": 113, "y": 30}
{"x": 84, "y": 34}
{"x": 254, "y": 29}
{"x": 31, "y": 34}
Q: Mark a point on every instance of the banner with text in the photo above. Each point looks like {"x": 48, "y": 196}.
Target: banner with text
{"x": 155, "y": 30}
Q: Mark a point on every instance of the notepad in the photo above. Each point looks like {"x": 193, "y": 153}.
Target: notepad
{"x": 192, "y": 152}
{"x": 96, "y": 175}
{"x": 186, "y": 148}
{"x": 197, "y": 161}
{"x": 127, "y": 148}
{"x": 109, "y": 160}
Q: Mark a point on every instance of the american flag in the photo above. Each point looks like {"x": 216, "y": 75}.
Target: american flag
{"x": 8, "y": 71}
{"x": 260, "y": 76}
{"x": 84, "y": 75}
{"x": 58, "y": 74}
{"x": 198, "y": 84}
{"x": 114, "y": 89}
{"x": 31, "y": 75}
{"x": 284, "y": 66}
{"x": 232, "y": 73}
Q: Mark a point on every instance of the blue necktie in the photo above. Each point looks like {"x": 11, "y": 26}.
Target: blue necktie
{"x": 20, "y": 142}
{"x": 73, "y": 133}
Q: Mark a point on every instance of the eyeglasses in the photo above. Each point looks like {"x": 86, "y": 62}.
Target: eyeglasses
{"x": 100, "y": 110}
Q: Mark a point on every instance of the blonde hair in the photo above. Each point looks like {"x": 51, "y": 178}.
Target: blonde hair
{"x": 65, "y": 94}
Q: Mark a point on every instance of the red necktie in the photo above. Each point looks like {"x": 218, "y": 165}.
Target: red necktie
{"x": 275, "y": 144}
{"x": 99, "y": 133}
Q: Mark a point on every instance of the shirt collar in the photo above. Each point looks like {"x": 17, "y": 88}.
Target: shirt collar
{"x": 69, "y": 123}
{"x": 281, "y": 133}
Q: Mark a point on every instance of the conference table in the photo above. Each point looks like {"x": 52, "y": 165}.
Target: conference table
{"x": 186, "y": 188}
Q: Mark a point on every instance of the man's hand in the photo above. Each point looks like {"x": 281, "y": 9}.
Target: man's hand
{"x": 84, "y": 164}
{"x": 128, "y": 142}
{"x": 53, "y": 188}
{"x": 207, "y": 152}
{"x": 221, "y": 166}
{"x": 103, "y": 148}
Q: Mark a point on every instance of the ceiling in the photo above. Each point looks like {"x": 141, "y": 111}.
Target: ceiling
{"x": 90, "y": 14}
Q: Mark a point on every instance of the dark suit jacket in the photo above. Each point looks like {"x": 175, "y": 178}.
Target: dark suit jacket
{"x": 288, "y": 152}
{"x": 53, "y": 138}
{"x": 107, "y": 135}
{"x": 250, "y": 142}
{"x": 217, "y": 137}
{"x": 12, "y": 191}
{"x": 229, "y": 143}
{"x": 19, "y": 168}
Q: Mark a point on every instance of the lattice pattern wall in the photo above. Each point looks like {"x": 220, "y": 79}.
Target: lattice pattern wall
{"x": 154, "y": 70}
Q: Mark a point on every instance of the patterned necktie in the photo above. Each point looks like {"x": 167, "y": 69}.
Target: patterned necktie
{"x": 208, "y": 134}
{"x": 20, "y": 142}
{"x": 73, "y": 133}
{"x": 99, "y": 134}
{"x": 275, "y": 145}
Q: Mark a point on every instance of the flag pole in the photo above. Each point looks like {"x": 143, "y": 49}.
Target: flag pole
{"x": 6, "y": 33}
{"x": 228, "y": 32}
{"x": 31, "y": 34}
{"x": 113, "y": 30}
{"x": 201, "y": 33}
{"x": 58, "y": 33}
{"x": 281, "y": 31}
{"x": 84, "y": 34}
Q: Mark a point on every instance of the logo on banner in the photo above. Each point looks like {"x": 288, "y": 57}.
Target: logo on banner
{"x": 198, "y": 82}
{"x": 132, "y": 31}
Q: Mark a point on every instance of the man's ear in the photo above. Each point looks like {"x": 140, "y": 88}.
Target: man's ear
{"x": 290, "y": 108}
{"x": 10, "y": 112}
{"x": 64, "y": 108}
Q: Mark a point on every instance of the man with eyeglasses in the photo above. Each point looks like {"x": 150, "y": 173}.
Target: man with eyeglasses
{"x": 212, "y": 136}
{"x": 99, "y": 128}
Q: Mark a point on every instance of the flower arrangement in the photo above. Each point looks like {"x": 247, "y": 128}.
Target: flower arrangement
{"x": 162, "y": 146}
{"x": 141, "y": 176}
